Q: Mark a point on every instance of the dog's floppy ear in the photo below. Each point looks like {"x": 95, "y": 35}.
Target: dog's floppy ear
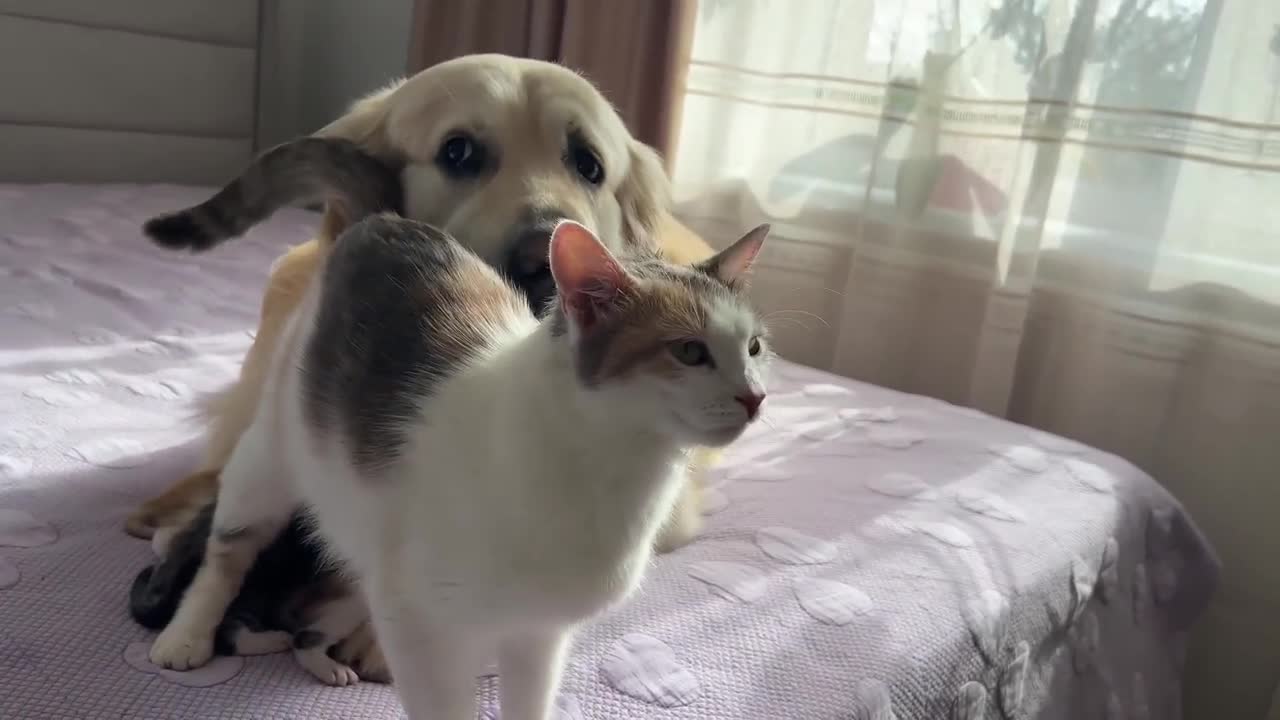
{"x": 365, "y": 123}
{"x": 644, "y": 196}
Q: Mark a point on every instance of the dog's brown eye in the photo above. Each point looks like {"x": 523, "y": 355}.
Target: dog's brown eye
{"x": 461, "y": 156}
{"x": 691, "y": 352}
{"x": 587, "y": 165}
{"x": 753, "y": 347}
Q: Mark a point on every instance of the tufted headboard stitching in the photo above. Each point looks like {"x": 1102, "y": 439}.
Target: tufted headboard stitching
{"x": 128, "y": 90}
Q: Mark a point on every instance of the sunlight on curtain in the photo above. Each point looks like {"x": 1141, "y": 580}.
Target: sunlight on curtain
{"x": 1064, "y": 212}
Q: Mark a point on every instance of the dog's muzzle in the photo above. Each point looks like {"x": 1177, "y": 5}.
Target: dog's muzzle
{"x": 527, "y": 265}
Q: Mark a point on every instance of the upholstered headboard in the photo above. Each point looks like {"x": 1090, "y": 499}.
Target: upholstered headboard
{"x": 128, "y": 90}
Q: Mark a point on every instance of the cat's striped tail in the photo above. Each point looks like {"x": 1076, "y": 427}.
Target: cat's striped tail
{"x": 306, "y": 170}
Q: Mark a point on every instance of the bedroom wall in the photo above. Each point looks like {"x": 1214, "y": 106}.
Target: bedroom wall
{"x": 319, "y": 55}
{"x": 126, "y": 90}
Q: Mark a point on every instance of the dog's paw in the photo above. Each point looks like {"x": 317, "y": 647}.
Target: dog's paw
{"x": 161, "y": 538}
{"x": 361, "y": 651}
{"x": 140, "y": 525}
{"x": 180, "y": 648}
{"x": 372, "y": 666}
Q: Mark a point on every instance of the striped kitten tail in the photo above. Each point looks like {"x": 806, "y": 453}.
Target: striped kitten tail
{"x": 305, "y": 170}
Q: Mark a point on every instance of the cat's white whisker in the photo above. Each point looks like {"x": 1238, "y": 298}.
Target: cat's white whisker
{"x": 804, "y": 313}
{"x": 796, "y": 323}
{"x": 797, "y": 289}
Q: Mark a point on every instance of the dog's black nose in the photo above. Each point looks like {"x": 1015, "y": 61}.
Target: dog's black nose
{"x": 526, "y": 264}
{"x": 540, "y": 290}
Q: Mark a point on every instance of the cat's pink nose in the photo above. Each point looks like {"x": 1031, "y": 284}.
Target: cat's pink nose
{"x": 751, "y": 402}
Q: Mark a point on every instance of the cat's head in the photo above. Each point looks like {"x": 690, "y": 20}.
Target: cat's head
{"x": 673, "y": 347}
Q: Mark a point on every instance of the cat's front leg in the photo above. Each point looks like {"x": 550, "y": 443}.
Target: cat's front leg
{"x": 530, "y": 663}
{"x": 684, "y": 521}
{"x": 254, "y": 504}
{"x": 434, "y": 667}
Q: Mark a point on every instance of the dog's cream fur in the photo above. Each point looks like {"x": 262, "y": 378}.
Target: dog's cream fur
{"x": 522, "y": 110}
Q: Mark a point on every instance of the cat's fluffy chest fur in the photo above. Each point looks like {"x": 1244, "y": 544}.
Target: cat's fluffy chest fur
{"x": 504, "y": 500}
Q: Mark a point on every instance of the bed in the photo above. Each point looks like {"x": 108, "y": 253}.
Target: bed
{"x": 868, "y": 554}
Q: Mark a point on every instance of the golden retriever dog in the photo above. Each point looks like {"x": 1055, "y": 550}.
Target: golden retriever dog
{"x": 495, "y": 150}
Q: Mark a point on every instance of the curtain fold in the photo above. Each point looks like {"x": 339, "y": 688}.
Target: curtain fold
{"x": 634, "y": 50}
{"x": 1062, "y": 212}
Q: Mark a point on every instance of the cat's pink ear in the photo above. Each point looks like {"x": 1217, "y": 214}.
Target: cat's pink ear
{"x": 731, "y": 265}
{"x": 589, "y": 280}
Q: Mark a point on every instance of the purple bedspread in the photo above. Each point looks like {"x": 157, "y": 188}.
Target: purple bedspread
{"x": 868, "y": 554}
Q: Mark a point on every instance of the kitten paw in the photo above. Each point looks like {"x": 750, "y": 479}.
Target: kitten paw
{"x": 326, "y": 669}
{"x": 361, "y": 651}
{"x": 178, "y": 648}
{"x": 340, "y": 676}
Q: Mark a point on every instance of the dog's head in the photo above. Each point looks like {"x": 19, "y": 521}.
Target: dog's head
{"x": 497, "y": 149}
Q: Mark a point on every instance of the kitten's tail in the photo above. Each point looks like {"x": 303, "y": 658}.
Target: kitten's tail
{"x": 308, "y": 169}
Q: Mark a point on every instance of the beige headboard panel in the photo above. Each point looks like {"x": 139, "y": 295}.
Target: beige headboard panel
{"x": 127, "y": 90}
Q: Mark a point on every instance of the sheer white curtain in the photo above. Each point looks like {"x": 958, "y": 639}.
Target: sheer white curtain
{"x": 1064, "y": 212}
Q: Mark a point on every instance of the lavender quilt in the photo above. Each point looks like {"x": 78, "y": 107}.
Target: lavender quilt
{"x": 868, "y": 555}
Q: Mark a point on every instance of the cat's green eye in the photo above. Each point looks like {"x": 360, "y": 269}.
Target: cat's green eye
{"x": 691, "y": 352}
{"x": 753, "y": 347}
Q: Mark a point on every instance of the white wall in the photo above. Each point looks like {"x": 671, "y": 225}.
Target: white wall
{"x": 319, "y": 55}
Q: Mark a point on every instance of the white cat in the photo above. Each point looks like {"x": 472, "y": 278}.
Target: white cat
{"x": 491, "y": 480}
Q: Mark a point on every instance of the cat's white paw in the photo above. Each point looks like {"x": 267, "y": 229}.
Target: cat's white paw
{"x": 179, "y": 648}
{"x": 326, "y": 669}
{"x": 338, "y": 675}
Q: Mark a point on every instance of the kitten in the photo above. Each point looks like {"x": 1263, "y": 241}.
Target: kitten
{"x": 291, "y": 598}
{"x": 492, "y": 480}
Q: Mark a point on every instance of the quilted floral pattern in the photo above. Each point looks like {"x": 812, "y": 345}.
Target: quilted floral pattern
{"x": 218, "y": 671}
{"x": 9, "y": 574}
{"x": 794, "y": 547}
{"x": 867, "y": 554}
{"x": 832, "y": 602}
{"x": 647, "y": 669}
{"x": 903, "y": 485}
{"x": 731, "y": 581}
{"x": 19, "y": 529}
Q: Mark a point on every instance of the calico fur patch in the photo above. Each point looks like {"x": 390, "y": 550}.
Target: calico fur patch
{"x": 403, "y": 306}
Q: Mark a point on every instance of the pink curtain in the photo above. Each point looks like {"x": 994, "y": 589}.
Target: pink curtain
{"x": 636, "y": 51}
